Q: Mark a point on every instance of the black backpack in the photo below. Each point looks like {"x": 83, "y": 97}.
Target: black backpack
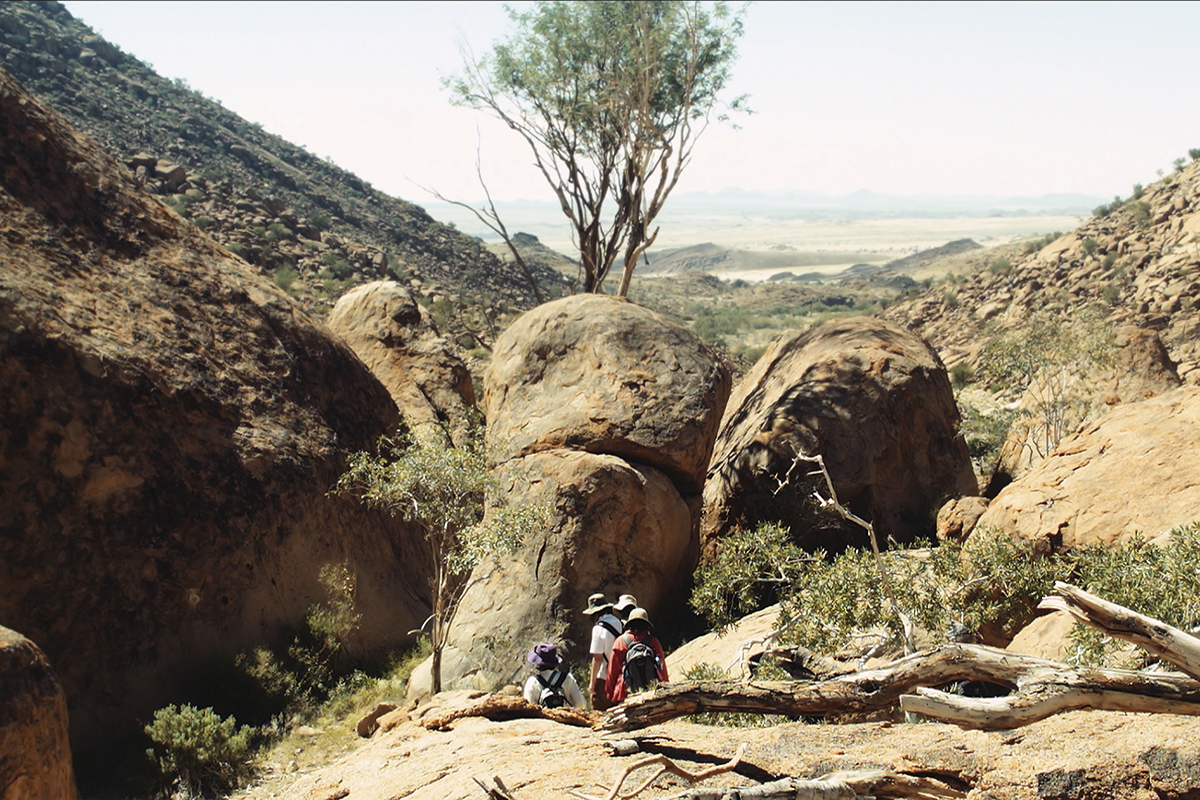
{"x": 641, "y": 667}
{"x": 552, "y": 695}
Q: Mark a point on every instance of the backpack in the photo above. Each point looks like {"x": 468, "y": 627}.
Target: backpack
{"x": 641, "y": 667}
{"x": 609, "y": 628}
{"x": 552, "y": 695}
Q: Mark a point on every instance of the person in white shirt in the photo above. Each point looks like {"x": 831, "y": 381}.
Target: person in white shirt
{"x": 552, "y": 685}
{"x": 606, "y": 627}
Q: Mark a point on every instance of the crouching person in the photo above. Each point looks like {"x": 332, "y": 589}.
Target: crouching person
{"x": 552, "y": 685}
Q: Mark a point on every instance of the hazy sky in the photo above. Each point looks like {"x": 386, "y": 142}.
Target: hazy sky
{"x": 905, "y": 98}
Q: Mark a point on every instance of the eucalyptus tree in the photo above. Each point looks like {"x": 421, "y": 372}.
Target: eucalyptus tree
{"x": 611, "y": 98}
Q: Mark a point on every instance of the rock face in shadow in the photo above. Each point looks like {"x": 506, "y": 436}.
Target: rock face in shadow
{"x": 398, "y": 341}
{"x": 605, "y": 412}
{"x": 170, "y": 424}
{"x": 870, "y": 397}
{"x": 1134, "y": 471}
{"x": 35, "y": 754}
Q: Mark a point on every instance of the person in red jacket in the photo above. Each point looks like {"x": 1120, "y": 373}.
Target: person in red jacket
{"x": 627, "y": 668}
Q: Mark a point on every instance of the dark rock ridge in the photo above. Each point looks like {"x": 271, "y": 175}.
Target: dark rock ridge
{"x": 250, "y": 188}
{"x": 170, "y": 424}
{"x": 871, "y": 398}
{"x": 35, "y": 754}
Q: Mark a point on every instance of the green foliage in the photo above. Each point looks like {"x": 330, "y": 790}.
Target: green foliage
{"x": 1000, "y": 266}
{"x": 750, "y": 572}
{"x": 611, "y": 96}
{"x": 300, "y": 676}
{"x": 1179, "y": 164}
{"x": 1139, "y": 212}
{"x": 443, "y": 491}
{"x": 961, "y": 374}
{"x": 1138, "y": 191}
{"x": 991, "y": 581}
{"x": 339, "y": 268}
{"x": 1111, "y": 294}
{"x": 1089, "y": 246}
{"x": 950, "y": 299}
{"x": 985, "y": 434}
{"x": 1160, "y": 582}
{"x": 1048, "y": 360}
{"x": 1194, "y": 153}
{"x": 284, "y": 277}
{"x": 198, "y": 750}
{"x": 319, "y": 220}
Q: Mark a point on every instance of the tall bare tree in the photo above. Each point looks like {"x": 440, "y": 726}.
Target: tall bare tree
{"x": 611, "y": 98}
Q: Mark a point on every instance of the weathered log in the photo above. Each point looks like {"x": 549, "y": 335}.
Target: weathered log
{"x": 838, "y": 786}
{"x": 1172, "y": 645}
{"x": 1039, "y": 686}
{"x": 502, "y": 707}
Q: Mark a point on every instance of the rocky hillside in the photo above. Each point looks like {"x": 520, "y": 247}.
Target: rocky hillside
{"x": 1140, "y": 258}
{"x": 314, "y": 228}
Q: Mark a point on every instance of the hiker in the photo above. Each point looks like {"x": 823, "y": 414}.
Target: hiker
{"x": 637, "y": 660}
{"x": 606, "y": 627}
{"x": 553, "y": 685}
{"x": 625, "y": 604}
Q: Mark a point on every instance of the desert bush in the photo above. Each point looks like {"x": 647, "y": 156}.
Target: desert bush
{"x": 284, "y": 277}
{"x": 1089, "y": 246}
{"x": 1111, "y": 294}
{"x": 950, "y": 299}
{"x": 1049, "y": 360}
{"x": 197, "y": 751}
{"x": 339, "y": 267}
{"x": 1179, "y": 164}
{"x": 296, "y": 678}
{"x": 985, "y": 434}
{"x": 1139, "y": 212}
{"x": 1194, "y": 153}
{"x": 961, "y": 374}
{"x": 1161, "y": 582}
{"x": 1001, "y": 266}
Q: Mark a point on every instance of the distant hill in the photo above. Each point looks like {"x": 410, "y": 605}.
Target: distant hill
{"x": 316, "y": 228}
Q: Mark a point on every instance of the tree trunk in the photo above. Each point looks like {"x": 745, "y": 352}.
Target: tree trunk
{"x": 1041, "y": 688}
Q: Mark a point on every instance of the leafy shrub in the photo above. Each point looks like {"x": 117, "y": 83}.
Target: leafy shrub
{"x": 1179, "y": 164}
{"x": 752, "y": 570}
{"x": 961, "y": 374}
{"x": 1089, "y": 246}
{"x": 985, "y": 434}
{"x": 338, "y": 266}
{"x": 284, "y": 277}
{"x": 950, "y": 299}
{"x": 1111, "y": 294}
{"x": 1139, "y": 211}
{"x": 298, "y": 677}
{"x": 1001, "y": 266}
{"x": 198, "y": 750}
{"x": 1160, "y": 582}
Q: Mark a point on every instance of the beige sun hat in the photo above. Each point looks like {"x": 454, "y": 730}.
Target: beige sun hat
{"x": 638, "y": 614}
{"x": 597, "y": 603}
{"x": 625, "y": 601}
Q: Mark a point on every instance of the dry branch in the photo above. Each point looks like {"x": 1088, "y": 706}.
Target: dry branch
{"x": 1041, "y": 688}
{"x": 1170, "y": 644}
{"x": 503, "y": 707}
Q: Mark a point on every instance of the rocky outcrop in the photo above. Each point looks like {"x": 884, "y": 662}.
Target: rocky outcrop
{"x": 398, "y": 341}
{"x": 870, "y": 397}
{"x": 1140, "y": 259}
{"x": 170, "y": 426}
{"x": 1132, "y": 472}
{"x": 605, "y": 412}
{"x": 35, "y": 754}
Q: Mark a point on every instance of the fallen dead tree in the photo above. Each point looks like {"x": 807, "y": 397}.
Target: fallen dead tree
{"x": 1038, "y": 688}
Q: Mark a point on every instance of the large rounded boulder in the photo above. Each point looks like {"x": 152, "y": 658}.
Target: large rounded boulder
{"x": 874, "y": 401}
{"x": 35, "y": 753}
{"x": 399, "y": 343}
{"x": 1130, "y": 473}
{"x": 604, "y": 412}
{"x": 170, "y": 426}
{"x": 602, "y": 375}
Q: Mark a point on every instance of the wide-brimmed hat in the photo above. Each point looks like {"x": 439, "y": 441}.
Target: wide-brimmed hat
{"x": 596, "y": 604}
{"x": 625, "y": 601}
{"x": 544, "y": 656}
{"x": 638, "y": 615}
